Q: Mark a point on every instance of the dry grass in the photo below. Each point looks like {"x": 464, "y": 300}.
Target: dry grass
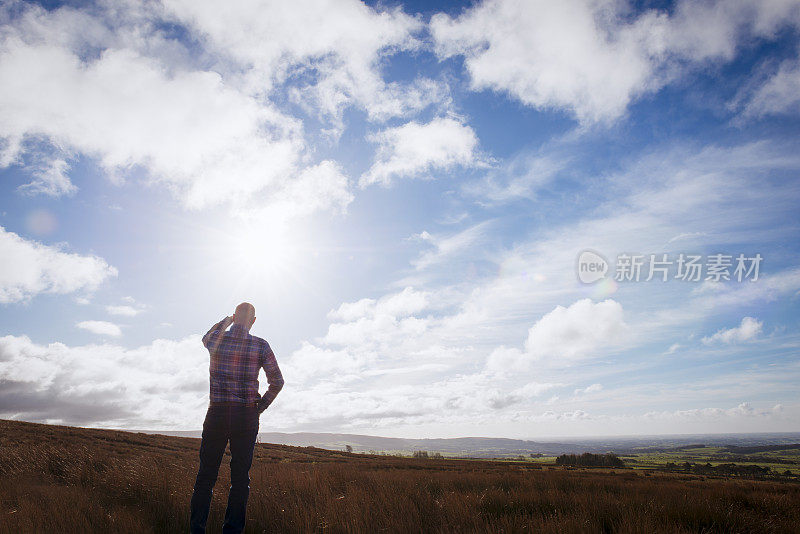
{"x": 62, "y": 479}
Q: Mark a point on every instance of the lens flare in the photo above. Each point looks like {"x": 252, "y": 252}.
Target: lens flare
{"x": 41, "y": 222}
{"x": 604, "y": 288}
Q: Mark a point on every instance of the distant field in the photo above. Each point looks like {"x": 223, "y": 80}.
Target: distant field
{"x": 63, "y": 479}
{"x": 778, "y": 460}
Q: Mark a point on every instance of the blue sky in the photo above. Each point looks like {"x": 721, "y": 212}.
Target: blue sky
{"x": 402, "y": 190}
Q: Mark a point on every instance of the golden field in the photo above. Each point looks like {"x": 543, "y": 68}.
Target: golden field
{"x": 65, "y": 479}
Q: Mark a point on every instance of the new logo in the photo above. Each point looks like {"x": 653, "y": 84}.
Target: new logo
{"x": 591, "y": 267}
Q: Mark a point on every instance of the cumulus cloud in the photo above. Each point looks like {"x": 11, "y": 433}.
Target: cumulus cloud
{"x": 402, "y": 304}
{"x": 565, "y": 335}
{"x": 334, "y": 62}
{"x": 746, "y": 331}
{"x": 317, "y": 188}
{"x": 29, "y": 268}
{"x": 107, "y": 84}
{"x": 414, "y": 149}
{"x": 546, "y": 54}
{"x": 311, "y": 361}
{"x": 160, "y": 385}
{"x": 369, "y": 339}
{"x": 576, "y": 331}
{"x": 669, "y": 192}
{"x": 594, "y": 58}
{"x": 103, "y": 328}
{"x": 190, "y": 129}
{"x": 380, "y": 327}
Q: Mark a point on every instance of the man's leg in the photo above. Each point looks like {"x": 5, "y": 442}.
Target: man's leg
{"x": 212, "y": 447}
{"x": 244, "y": 429}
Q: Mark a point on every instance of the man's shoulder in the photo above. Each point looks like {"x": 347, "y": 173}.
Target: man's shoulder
{"x": 260, "y": 340}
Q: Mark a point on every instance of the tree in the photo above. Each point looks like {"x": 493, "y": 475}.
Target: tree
{"x": 588, "y": 459}
{"x": 348, "y": 448}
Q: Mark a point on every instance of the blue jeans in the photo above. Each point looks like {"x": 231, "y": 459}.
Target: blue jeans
{"x": 239, "y": 425}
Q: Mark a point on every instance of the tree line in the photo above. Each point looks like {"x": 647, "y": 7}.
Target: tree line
{"x": 589, "y": 459}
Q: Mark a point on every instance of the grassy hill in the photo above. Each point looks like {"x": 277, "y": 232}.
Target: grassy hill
{"x": 65, "y": 479}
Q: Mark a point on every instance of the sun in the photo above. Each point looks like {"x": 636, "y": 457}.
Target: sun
{"x": 255, "y": 253}
{"x": 262, "y": 249}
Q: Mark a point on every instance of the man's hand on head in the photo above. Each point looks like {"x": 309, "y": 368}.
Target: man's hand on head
{"x": 226, "y": 322}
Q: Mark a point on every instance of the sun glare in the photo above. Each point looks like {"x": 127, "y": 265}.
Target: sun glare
{"x": 257, "y": 253}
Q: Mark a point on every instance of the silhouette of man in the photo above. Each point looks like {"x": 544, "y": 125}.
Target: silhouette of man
{"x": 233, "y": 411}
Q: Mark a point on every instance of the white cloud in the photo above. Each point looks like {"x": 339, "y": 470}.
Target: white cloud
{"x": 594, "y": 58}
{"x": 160, "y": 385}
{"x": 594, "y": 388}
{"x": 188, "y": 128}
{"x": 338, "y": 51}
{"x": 768, "y": 288}
{"x": 520, "y": 177}
{"x": 746, "y": 331}
{"x": 137, "y": 101}
{"x": 350, "y": 311}
{"x": 310, "y": 361}
{"x": 563, "y": 336}
{"x": 655, "y": 197}
{"x": 102, "y": 328}
{"x": 577, "y": 331}
{"x": 49, "y": 178}
{"x": 108, "y": 84}
{"x": 779, "y": 94}
{"x": 743, "y": 410}
{"x": 396, "y": 305}
{"x": 374, "y": 332}
{"x": 318, "y": 188}
{"x": 29, "y": 268}
{"x": 125, "y": 310}
{"x": 414, "y": 149}
{"x": 547, "y": 54}
{"x": 669, "y": 192}
{"x": 446, "y": 248}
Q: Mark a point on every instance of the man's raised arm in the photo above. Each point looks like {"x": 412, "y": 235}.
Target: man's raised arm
{"x": 274, "y": 378}
{"x": 217, "y": 328}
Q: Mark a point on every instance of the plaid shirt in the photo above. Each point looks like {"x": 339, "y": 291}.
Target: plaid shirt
{"x": 236, "y": 358}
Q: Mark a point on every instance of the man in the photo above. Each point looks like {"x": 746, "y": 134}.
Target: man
{"x": 233, "y": 412}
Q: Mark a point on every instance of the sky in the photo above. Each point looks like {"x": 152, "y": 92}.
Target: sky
{"x": 519, "y": 219}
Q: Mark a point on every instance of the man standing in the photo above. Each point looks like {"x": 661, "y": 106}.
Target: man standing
{"x": 233, "y": 412}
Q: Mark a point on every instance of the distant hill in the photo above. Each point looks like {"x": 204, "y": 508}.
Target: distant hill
{"x": 469, "y": 446}
{"x": 761, "y": 448}
{"x": 485, "y": 447}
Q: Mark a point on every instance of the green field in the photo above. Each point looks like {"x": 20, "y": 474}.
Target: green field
{"x": 778, "y": 461}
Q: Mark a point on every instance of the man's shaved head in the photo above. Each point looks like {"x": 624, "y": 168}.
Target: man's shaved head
{"x": 245, "y": 315}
